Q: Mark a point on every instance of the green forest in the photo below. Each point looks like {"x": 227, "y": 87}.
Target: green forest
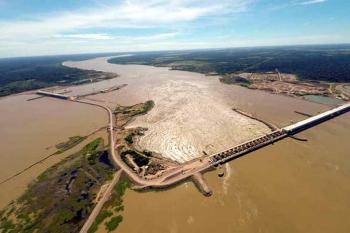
{"x": 323, "y": 62}
{"x": 29, "y": 73}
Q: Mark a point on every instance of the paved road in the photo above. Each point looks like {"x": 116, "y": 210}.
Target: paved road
{"x": 178, "y": 174}
{"x": 115, "y": 158}
{"x": 99, "y": 205}
{"x": 169, "y": 178}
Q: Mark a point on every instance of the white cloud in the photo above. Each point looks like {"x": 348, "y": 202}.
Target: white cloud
{"x": 132, "y": 44}
{"x": 160, "y": 36}
{"x": 102, "y": 36}
{"x": 310, "y": 2}
{"x": 89, "y": 36}
{"x": 293, "y": 3}
{"x": 84, "y": 29}
{"x": 127, "y": 14}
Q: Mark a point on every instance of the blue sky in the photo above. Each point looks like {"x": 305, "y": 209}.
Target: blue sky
{"x": 43, "y": 27}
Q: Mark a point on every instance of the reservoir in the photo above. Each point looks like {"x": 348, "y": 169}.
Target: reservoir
{"x": 291, "y": 186}
{"x": 31, "y": 129}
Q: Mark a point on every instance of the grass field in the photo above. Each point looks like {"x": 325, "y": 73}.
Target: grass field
{"x": 61, "y": 198}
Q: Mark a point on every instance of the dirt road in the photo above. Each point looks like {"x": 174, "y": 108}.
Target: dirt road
{"x": 99, "y": 205}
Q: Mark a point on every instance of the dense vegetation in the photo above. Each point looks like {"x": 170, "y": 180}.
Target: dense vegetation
{"x": 229, "y": 79}
{"x": 143, "y": 109}
{"x": 327, "y": 63}
{"x": 62, "y": 197}
{"x": 72, "y": 141}
{"x": 23, "y": 74}
{"x": 125, "y": 113}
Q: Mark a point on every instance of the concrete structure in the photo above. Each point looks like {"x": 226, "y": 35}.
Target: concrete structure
{"x": 256, "y": 143}
{"x": 201, "y": 184}
{"x": 246, "y": 147}
{"x": 309, "y": 122}
{"x": 203, "y": 164}
{"x": 196, "y": 167}
{"x": 55, "y": 95}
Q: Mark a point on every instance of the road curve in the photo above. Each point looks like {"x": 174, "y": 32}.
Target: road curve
{"x": 181, "y": 173}
{"x": 176, "y": 175}
{"x": 170, "y": 178}
{"x": 115, "y": 158}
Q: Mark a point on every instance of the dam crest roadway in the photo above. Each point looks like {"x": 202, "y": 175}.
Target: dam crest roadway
{"x": 194, "y": 168}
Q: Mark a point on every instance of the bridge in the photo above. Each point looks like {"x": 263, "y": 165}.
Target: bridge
{"x": 193, "y": 168}
{"x": 246, "y": 147}
{"x": 276, "y": 135}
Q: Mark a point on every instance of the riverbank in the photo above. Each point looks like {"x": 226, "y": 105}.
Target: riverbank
{"x": 176, "y": 127}
{"x": 60, "y": 198}
{"x": 290, "y": 85}
{"x": 278, "y": 183}
{"x": 31, "y": 129}
{"x": 262, "y": 188}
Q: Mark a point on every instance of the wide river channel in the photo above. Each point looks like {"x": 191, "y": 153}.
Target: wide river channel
{"x": 291, "y": 186}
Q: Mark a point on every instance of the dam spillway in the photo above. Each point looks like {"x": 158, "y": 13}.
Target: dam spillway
{"x": 276, "y": 135}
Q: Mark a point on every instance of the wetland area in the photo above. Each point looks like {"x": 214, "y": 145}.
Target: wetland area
{"x": 290, "y": 186}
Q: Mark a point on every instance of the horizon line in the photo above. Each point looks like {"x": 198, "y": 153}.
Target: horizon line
{"x": 166, "y": 50}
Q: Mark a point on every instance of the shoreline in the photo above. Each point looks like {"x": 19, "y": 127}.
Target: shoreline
{"x": 48, "y": 157}
{"x": 301, "y": 97}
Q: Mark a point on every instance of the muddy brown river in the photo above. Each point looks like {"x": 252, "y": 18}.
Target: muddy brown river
{"x": 31, "y": 129}
{"x": 192, "y": 115}
{"x": 291, "y": 186}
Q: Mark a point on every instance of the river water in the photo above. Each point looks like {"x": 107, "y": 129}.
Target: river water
{"x": 191, "y": 114}
{"x": 291, "y": 186}
{"x": 31, "y": 129}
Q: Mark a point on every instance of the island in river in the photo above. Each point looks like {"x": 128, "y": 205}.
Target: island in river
{"x": 252, "y": 188}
